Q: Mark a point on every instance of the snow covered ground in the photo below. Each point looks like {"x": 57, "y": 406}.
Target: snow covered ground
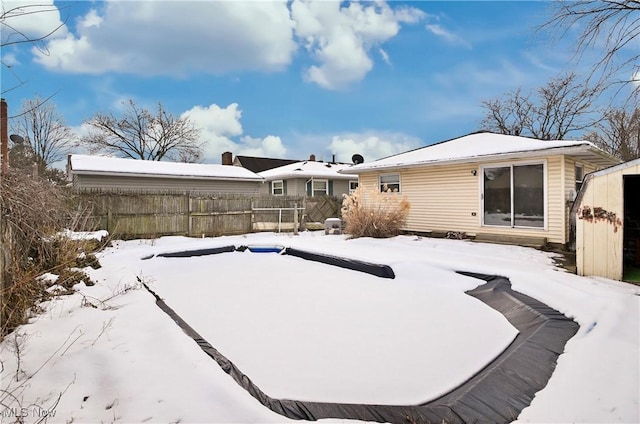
{"x": 309, "y": 331}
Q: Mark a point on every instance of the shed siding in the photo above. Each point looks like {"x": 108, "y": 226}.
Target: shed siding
{"x": 150, "y": 183}
{"x": 444, "y": 198}
{"x": 599, "y": 242}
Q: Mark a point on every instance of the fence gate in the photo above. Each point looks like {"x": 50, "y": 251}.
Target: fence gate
{"x": 322, "y": 207}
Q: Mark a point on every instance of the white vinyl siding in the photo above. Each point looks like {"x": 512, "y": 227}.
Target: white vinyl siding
{"x": 448, "y": 198}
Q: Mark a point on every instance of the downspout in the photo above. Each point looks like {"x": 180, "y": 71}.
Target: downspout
{"x": 575, "y": 209}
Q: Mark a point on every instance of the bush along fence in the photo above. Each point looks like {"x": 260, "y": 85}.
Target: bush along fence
{"x": 139, "y": 214}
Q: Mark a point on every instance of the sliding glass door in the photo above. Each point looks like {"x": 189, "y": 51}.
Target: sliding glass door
{"x": 513, "y": 196}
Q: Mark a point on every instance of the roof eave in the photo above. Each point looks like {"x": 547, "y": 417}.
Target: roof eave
{"x": 310, "y": 175}
{"x": 150, "y": 175}
{"x": 595, "y": 155}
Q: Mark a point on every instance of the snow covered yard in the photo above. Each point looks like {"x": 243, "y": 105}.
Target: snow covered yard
{"x": 309, "y": 331}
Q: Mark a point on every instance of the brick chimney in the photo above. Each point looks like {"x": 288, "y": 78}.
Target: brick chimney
{"x": 227, "y": 158}
{"x": 312, "y": 157}
{"x": 4, "y": 137}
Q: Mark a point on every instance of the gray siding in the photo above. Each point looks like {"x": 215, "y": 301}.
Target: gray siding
{"x": 297, "y": 187}
{"x": 152, "y": 183}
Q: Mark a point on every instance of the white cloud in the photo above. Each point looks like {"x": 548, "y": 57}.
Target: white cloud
{"x": 371, "y": 145}
{"x": 167, "y": 38}
{"x": 10, "y": 60}
{"x": 341, "y": 38}
{"x": 384, "y": 55}
{"x": 217, "y": 120}
{"x": 153, "y": 38}
{"x": 448, "y": 36}
{"x": 271, "y": 146}
{"x": 221, "y": 131}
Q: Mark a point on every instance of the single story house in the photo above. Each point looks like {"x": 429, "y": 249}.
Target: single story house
{"x": 310, "y": 178}
{"x": 132, "y": 174}
{"x": 489, "y": 186}
{"x": 607, "y": 217}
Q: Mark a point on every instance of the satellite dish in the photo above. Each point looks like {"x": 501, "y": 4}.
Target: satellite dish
{"x": 16, "y": 138}
{"x": 357, "y": 159}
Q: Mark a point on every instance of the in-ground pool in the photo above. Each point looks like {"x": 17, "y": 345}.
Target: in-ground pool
{"x": 309, "y": 331}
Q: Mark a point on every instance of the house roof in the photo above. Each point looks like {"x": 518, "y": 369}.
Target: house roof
{"x": 485, "y": 146}
{"x": 101, "y": 165}
{"x": 309, "y": 169}
{"x": 258, "y": 164}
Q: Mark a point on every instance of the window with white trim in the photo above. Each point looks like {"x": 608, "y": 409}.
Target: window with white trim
{"x": 319, "y": 187}
{"x": 353, "y": 185}
{"x": 277, "y": 188}
{"x": 579, "y": 176}
{"x": 389, "y": 183}
{"x": 514, "y": 196}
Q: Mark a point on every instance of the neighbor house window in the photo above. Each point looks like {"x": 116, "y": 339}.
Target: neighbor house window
{"x": 277, "y": 188}
{"x": 513, "y": 196}
{"x": 390, "y": 183}
{"x": 353, "y": 185}
{"x": 579, "y": 176}
{"x": 319, "y": 187}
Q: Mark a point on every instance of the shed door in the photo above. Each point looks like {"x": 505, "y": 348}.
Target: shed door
{"x": 631, "y": 226}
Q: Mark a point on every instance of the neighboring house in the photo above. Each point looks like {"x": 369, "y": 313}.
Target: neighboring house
{"x": 253, "y": 163}
{"x": 488, "y": 184}
{"x": 117, "y": 173}
{"x": 310, "y": 178}
{"x": 607, "y": 214}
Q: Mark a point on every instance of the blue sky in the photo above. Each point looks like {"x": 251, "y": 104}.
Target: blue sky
{"x": 287, "y": 79}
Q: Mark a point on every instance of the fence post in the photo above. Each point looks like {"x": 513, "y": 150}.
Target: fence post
{"x": 295, "y": 218}
{"x": 187, "y": 195}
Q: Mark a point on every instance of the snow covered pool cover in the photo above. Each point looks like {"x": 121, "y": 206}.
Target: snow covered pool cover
{"x": 307, "y": 331}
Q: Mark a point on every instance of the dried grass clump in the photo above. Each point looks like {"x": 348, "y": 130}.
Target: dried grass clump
{"x": 34, "y": 212}
{"x": 374, "y": 214}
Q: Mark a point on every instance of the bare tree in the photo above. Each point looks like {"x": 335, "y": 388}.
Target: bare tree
{"x": 550, "y": 112}
{"x": 139, "y": 134}
{"x": 619, "y": 133}
{"x": 614, "y": 24}
{"x": 43, "y": 128}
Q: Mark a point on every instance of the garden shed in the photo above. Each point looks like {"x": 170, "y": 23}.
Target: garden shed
{"x": 607, "y": 214}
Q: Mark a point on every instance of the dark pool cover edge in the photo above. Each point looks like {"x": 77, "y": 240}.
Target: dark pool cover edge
{"x": 496, "y": 394}
{"x": 378, "y": 270}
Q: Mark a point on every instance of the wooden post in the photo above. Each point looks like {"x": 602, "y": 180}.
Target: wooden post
{"x": 189, "y": 217}
{"x": 295, "y": 218}
{"x": 4, "y": 137}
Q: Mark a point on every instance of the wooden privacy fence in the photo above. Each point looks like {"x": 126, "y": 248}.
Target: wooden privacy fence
{"x": 135, "y": 214}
